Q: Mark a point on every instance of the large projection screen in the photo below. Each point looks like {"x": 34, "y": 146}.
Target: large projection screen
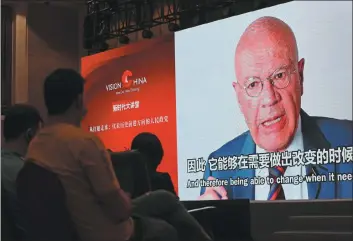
{"x": 307, "y": 113}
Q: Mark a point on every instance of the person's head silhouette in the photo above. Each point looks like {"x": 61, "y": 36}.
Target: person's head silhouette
{"x": 150, "y": 146}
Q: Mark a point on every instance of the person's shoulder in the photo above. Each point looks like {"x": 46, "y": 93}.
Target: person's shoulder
{"x": 68, "y": 135}
{"x": 83, "y": 144}
{"x": 90, "y": 140}
{"x": 162, "y": 180}
{"x": 5, "y": 153}
{"x": 338, "y": 124}
{"x": 10, "y": 156}
{"x": 163, "y": 175}
{"x": 232, "y": 147}
{"x": 335, "y": 129}
{"x": 67, "y": 132}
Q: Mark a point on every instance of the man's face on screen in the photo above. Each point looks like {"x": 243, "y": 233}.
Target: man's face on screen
{"x": 269, "y": 91}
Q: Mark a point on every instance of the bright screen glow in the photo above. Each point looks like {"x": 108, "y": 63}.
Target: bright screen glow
{"x": 219, "y": 78}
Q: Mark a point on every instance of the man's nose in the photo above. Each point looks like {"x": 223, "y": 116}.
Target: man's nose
{"x": 269, "y": 94}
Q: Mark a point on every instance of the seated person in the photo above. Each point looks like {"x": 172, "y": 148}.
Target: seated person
{"x": 20, "y": 125}
{"x": 151, "y": 148}
{"x": 100, "y": 209}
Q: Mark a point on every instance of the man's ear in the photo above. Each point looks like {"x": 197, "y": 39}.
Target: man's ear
{"x": 238, "y": 91}
{"x": 301, "y": 64}
{"x": 29, "y": 134}
{"x": 236, "y": 86}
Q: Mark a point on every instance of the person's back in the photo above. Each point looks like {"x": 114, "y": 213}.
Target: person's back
{"x": 11, "y": 164}
{"x": 61, "y": 148}
{"x": 20, "y": 125}
{"x": 161, "y": 181}
{"x": 99, "y": 209}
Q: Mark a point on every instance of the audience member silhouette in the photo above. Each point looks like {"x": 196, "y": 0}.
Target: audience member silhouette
{"x": 151, "y": 148}
{"x": 21, "y": 123}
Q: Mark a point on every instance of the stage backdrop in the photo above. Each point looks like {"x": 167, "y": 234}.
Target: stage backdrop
{"x": 132, "y": 90}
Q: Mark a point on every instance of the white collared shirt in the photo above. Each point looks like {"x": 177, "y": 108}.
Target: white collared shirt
{"x": 291, "y": 191}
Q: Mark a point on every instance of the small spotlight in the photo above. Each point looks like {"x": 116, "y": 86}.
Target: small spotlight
{"x": 173, "y": 27}
{"x": 124, "y": 39}
{"x": 146, "y": 33}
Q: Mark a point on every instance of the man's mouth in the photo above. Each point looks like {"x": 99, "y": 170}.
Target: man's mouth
{"x": 272, "y": 121}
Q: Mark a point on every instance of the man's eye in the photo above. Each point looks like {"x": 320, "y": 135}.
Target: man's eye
{"x": 280, "y": 75}
{"x": 253, "y": 85}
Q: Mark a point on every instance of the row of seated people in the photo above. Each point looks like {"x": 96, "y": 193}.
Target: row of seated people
{"x": 60, "y": 156}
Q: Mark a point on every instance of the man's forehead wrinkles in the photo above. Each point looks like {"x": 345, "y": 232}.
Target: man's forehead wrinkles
{"x": 263, "y": 55}
{"x": 270, "y": 44}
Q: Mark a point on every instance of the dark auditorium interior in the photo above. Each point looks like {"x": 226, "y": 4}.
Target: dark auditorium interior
{"x": 40, "y": 36}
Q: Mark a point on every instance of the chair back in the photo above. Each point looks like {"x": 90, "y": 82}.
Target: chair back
{"x": 9, "y": 231}
{"x": 131, "y": 170}
{"x": 43, "y": 203}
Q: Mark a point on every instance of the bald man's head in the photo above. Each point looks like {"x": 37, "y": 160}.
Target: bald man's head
{"x": 269, "y": 82}
{"x": 266, "y": 36}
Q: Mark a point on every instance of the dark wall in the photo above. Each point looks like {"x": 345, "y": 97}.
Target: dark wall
{"x": 53, "y": 42}
{"x": 6, "y": 55}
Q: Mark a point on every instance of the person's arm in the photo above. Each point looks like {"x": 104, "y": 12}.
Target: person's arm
{"x": 98, "y": 168}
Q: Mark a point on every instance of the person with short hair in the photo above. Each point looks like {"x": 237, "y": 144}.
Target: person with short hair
{"x": 100, "y": 209}
{"x": 151, "y": 148}
{"x": 20, "y": 125}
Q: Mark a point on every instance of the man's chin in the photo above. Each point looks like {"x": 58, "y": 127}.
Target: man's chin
{"x": 273, "y": 144}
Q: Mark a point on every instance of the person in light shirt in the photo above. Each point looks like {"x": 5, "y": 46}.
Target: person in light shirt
{"x": 269, "y": 86}
{"x": 99, "y": 208}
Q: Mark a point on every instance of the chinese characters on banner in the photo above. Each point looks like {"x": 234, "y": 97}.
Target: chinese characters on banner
{"x": 126, "y": 106}
{"x": 131, "y": 123}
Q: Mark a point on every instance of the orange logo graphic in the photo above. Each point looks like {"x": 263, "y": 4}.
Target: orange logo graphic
{"x": 126, "y": 82}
